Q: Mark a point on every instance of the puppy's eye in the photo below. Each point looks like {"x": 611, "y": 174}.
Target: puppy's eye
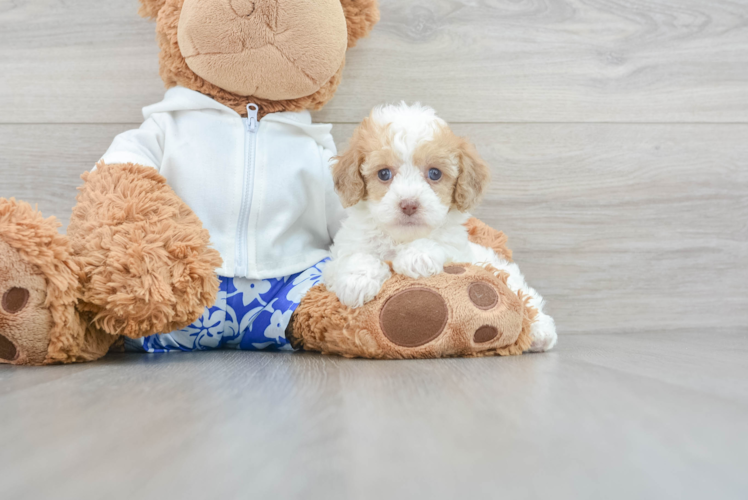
{"x": 385, "y": 174}
{"x": 435, "y": 174}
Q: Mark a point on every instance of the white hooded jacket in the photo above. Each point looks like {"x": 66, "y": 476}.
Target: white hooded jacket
{"x": 263, "y": 189}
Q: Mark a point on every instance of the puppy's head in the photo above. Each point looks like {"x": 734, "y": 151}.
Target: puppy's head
{"x": 410, "y": 170}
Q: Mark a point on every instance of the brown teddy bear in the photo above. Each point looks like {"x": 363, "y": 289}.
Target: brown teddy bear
{"x": 185, "y": 195}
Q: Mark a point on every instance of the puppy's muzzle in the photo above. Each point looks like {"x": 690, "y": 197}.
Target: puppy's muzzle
{"x": 409, "y": 207}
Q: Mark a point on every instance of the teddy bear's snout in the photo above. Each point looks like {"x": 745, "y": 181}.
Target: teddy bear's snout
{"x": 235, "y": 27}
{"x": 265, "y": 12}
{"x": 267, "y": 49}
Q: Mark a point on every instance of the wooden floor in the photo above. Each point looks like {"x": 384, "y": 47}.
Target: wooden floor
{"x": 619, "y": 416}
{"x": 617, "y": 132}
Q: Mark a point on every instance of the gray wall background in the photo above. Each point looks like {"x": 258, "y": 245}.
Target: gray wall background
{"x": 617, "y": 132}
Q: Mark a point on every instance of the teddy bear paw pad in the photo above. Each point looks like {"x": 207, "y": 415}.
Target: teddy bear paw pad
{"x": 414, "y": 317}
{"x": 13, "y": 301}
{"x": 467, "y": 310}
{"x": 25, "y": 321}
{"x": 8, "y": 351}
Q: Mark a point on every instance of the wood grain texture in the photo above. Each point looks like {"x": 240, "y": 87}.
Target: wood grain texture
{"x": 605, "y": 416}
{"x": 478, "y": 61}
{"x": 42, "y": 164}
{"x": 617, "y": 132}
{"x": 621, "y": 227}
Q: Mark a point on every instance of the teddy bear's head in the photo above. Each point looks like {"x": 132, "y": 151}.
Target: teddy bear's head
{"x": 284, "y": 55}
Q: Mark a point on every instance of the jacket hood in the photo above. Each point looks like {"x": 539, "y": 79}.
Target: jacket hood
{"x": 184, "y": 99}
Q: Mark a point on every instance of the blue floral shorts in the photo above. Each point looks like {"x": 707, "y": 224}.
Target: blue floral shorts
{"x": 248, "y": 314}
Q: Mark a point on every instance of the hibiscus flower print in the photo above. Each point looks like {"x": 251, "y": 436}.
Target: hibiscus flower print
{"x": 251, "y": 290}
{"x": 205, "y": 333}
{"x": 277, "y": 328}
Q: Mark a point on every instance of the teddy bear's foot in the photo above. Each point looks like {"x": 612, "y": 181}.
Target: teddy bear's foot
{"x": 39, "y": 290}
{"x": 466, "y": 311}
{"x": 25, "y": 322}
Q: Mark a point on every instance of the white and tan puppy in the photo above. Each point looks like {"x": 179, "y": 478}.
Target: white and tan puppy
{"x": 409, "y": 182}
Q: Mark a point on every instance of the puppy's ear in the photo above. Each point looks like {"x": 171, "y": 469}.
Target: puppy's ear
{"x": 346, "y": 172}
{"x": 473, "y": 178}
{"x": 150, "y": 8}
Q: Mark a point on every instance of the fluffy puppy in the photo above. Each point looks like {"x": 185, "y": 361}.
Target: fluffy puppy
{"x": 409, "y": 183}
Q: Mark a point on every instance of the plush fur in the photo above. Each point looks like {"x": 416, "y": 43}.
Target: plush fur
{"x": 144, "y": 257}
{"x": 409, "y": 218}
{"x": 136, "y": 261}
{"x": 361, "y": 15}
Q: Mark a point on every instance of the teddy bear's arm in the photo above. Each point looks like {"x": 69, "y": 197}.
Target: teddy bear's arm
{"x": 145, "y": 262}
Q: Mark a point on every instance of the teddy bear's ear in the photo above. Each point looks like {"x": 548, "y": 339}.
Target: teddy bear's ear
{"x": 150, "y": 8}
{"x": 361, "y": 16}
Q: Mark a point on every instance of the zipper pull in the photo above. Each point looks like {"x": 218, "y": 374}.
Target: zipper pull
{"x": 252, "y": 124}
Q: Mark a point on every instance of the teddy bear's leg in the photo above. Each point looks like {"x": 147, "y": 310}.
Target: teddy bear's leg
{"x": 25, "y": 323}
{"x": 39, "y": 290}
{"x": 145, "y": 262}
{"x": 484, "y": 237}
{"x": 468, "y": 310}
{"x": 465, "y": 311}
{"x": 543, "y": 328}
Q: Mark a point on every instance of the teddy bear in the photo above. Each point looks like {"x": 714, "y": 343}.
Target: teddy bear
{"x": 208, "y": 226}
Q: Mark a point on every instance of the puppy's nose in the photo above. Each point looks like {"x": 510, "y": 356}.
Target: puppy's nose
{"x": 409, "y": 207}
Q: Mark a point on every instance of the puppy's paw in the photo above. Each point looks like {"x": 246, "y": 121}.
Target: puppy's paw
{"x": 355, "y": 290}
{"x": 416, "y": 264}
{"x": 543, "y": 333}
{"x": 356, "y": 280}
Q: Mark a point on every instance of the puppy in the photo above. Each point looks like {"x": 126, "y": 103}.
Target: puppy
{"x": 410, "y": 182}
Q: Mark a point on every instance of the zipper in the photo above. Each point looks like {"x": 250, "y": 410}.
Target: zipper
{"x": 242, "y": 231}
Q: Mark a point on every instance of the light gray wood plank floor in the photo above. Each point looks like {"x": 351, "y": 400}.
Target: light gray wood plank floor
{"x": 604, "y": 416}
